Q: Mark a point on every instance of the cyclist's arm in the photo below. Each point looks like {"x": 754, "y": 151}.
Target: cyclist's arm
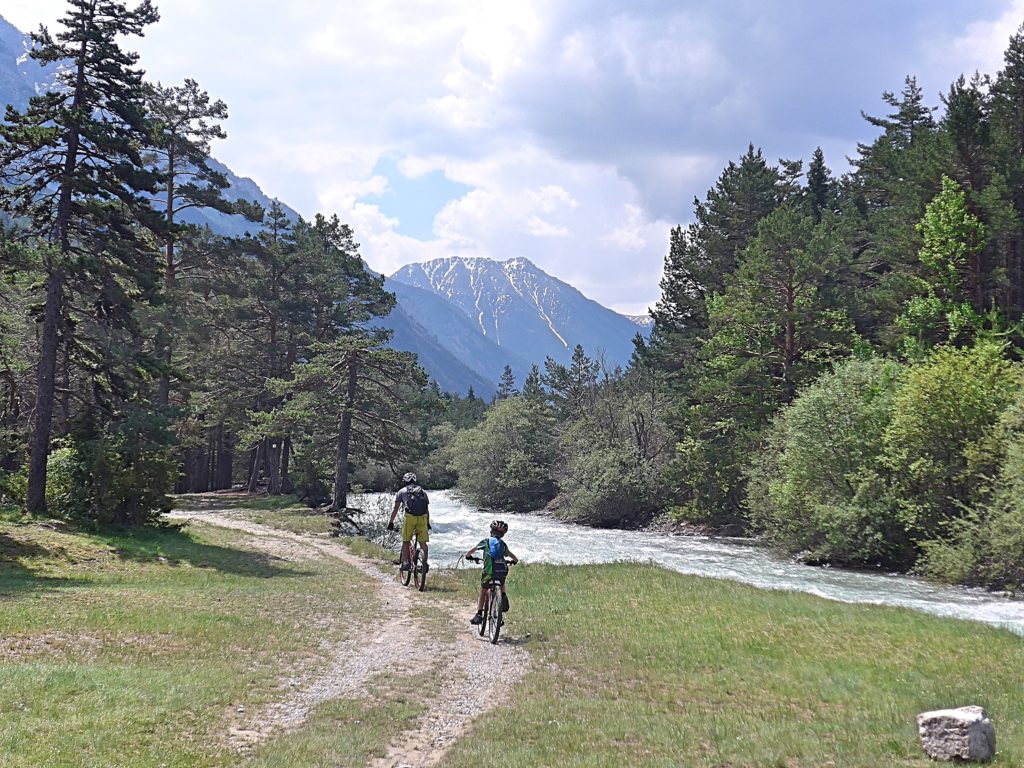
{"x": 394, "y": 511}
{"x": 508, "y": 554}
{"x": 474, "y": 549}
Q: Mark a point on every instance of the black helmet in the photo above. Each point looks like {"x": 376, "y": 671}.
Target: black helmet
{"x": 499, "y": 528}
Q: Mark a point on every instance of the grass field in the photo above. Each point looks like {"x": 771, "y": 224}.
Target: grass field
{"x": 635, "y": 665}
{"x": 137, "y": 649}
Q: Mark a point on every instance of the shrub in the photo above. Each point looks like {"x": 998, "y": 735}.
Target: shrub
{"x": 935, "y": 444}
{"x": 120, "y": 476}
{"x": 505, "y": 462}
{"x": 818, "y": 487}
{"x": 986, "y": 545}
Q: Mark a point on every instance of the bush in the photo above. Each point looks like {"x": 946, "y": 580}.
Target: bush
{"x": 610, "y": 477}
{"x": 936, "y": 444}
{"x": 985, "y": 547}
{"x": 819, "y": 487}
{"x": 506, "y": 461}
{"x": 121, "y": 476}
{"x": 609, "y": 485}
{"x": 1004, "y": 530}
{"x": 13, "y": 486}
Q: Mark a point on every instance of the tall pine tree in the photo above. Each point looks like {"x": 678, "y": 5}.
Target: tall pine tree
{"x": 72, "y": 171}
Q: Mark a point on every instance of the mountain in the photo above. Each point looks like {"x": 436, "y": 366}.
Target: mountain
{"x": 21, "y": 78}
{"x": 466, "y": 319}
{"x": 419, "y": 331}
{"x": 525, "y": 312}
{"x": 450, "y": 347}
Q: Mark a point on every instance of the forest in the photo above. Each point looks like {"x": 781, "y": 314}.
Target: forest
{"x": 834, "y": 365}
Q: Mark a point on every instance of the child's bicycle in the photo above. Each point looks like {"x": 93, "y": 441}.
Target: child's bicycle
{"x": 494, "y": 606}
{"x": 418, "y": 567}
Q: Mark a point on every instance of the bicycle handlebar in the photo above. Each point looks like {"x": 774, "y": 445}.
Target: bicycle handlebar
{"x": 479, "y": 560}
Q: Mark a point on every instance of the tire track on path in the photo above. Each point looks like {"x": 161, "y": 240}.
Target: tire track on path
{"x": 474, "y": 674}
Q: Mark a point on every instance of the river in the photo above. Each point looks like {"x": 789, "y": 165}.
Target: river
{"x": 456, "y": 526}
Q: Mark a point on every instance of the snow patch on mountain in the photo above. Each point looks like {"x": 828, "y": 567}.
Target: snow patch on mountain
{"x": 524, "y": 310}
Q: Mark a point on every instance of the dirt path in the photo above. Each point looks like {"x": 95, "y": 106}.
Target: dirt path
{"x": 474, "y": 674}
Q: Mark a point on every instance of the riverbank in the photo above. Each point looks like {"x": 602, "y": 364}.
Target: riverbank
{"x": 162, "y": 648}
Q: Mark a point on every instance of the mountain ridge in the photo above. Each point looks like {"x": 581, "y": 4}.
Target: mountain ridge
{"x": 524, "y": 310}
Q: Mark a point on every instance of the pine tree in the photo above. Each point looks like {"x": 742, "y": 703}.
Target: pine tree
{"x": 702, "y": 255}
{"x": 533, "y": 389}
{"x": 351, "y": 394}
{"x": 895, "y": 177}
{"x": 72, "y": 170}
{"x": 571, "y": 388}
{"x": 185, "y": 122}
{"x": 506, "y": 385}
{"x": 821, "y": 187}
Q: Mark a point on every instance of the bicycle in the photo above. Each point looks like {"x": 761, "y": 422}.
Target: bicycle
{"x": 494, "y": 606}
{"x": 418, "y": 567}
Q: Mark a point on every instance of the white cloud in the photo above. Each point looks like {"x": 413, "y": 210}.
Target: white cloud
{"x": 981, "y": 46}
{"x": 584, "y": 128}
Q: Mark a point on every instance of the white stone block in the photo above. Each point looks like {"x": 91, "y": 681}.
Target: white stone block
{"x": 957, "y": 734}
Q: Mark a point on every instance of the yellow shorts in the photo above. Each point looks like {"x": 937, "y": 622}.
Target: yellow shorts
{"x": 415, "y": 524}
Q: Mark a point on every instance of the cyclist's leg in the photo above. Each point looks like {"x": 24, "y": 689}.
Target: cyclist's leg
{"x": 408, "y": 528}
{"x": 423, "y": 534}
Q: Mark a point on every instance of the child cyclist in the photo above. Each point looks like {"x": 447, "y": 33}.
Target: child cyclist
{"x": 495, "y": 551}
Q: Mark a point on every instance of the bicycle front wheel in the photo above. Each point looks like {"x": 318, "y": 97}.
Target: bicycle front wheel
{"x": 419, "y": 568}
{"x": 494, "y": 622}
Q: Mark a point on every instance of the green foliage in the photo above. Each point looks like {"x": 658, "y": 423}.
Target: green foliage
{"x": 613, "y": 456}
{"x": 118, "y": 476}
{"x": 986, "y": 545}
{"x": 952, "y": 237}
{"x": 12, "y": 487}
{"x": 942, "y": 413}
{"x": 506, "y": 461}
{"x": 434, "y": 470}
{"x": 607, "y": 485}
{"x": 820, "y": 488}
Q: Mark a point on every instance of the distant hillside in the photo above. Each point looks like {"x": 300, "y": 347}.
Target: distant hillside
{"x": 21, "y": 78}
{"x": 525, "y": 312}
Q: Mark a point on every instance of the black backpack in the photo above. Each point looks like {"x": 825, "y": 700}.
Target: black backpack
{"x": 416, "y": 502}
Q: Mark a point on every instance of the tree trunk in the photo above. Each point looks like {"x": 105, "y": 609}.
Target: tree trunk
{"x": 340, "y": 502}
{"x": 167, "y": 332}
{"x": 254, "y": 471}
{"x": 287, "y": 486}
{"x": 40, "y": 445}
{"x": 272, "y": 452}
{"x": 225, "y": 461}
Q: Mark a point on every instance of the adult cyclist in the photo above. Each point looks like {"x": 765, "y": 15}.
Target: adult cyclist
{"x": 417, "y": 518}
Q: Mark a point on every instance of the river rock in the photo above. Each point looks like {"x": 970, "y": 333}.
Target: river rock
{"x": 957, "y": 734}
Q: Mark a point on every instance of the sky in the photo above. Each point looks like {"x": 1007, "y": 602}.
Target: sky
{"x": 575, "y": 133}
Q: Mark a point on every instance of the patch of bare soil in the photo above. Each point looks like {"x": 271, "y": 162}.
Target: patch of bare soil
{"x": 475, "y": 674}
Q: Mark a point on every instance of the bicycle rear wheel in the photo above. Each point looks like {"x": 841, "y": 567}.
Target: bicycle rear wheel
{"x": 494, "y": 622}
{"x": 419, "y": 568}
{"x": 486, "y": 617}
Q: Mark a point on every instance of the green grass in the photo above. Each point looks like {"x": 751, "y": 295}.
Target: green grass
{"x": 344, "y": 733}
{"x": 135, "y": 649}
{"x": 634, "y": 665}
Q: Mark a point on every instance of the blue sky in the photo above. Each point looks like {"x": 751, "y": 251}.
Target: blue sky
{"x": 575, "y": 133}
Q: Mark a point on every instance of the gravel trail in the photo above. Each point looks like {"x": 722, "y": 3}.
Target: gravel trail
{"x": 474, "y": 674}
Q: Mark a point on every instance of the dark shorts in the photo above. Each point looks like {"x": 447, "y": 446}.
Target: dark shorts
{"x": 493, "y": 571}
